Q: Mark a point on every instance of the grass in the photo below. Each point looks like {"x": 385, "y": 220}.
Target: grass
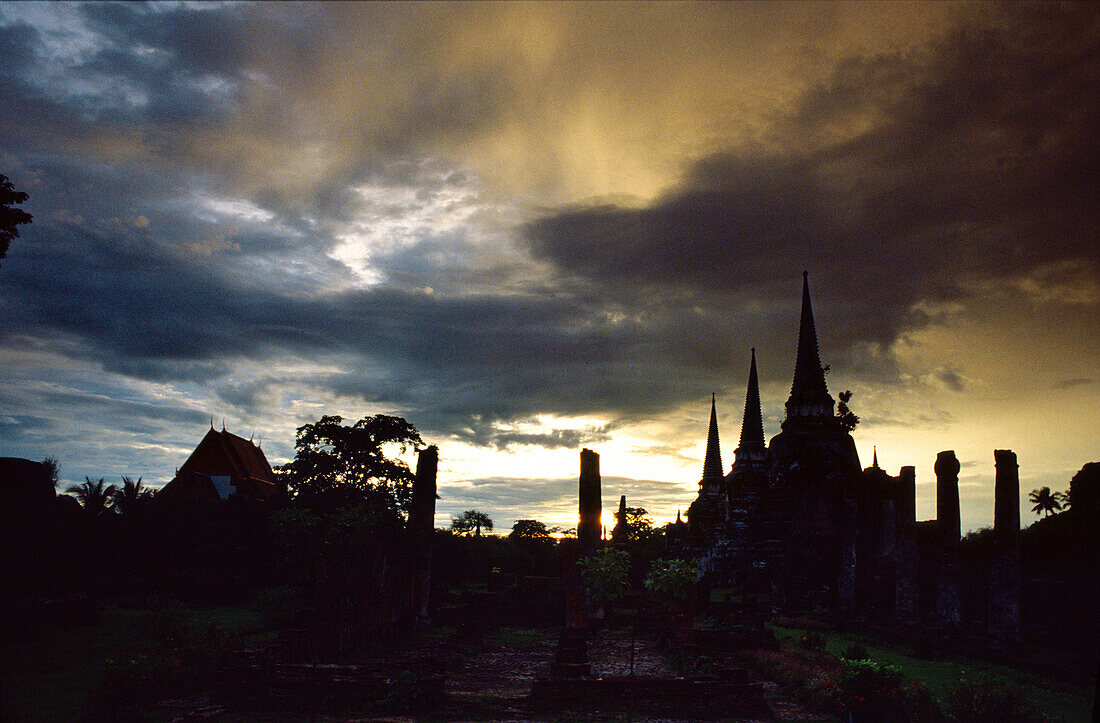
{"x": 1059, "y": 700}
{"x": 46, "y": 673}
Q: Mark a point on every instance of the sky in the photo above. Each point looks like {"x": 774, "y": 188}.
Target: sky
{"x": 531, "y": 228}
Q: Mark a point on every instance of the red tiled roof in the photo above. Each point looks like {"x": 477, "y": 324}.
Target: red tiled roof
{"x": 225, "y": 454}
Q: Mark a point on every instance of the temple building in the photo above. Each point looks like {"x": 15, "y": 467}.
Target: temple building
{"x": 797, "y": 521}
{"x": 224, "y": 465}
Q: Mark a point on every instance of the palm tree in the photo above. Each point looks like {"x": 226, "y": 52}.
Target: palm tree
{"x": 1045, "y": 501}
{"x": 1064, "y": 498}
{"x": 131, "y": 497}
{"x": 93, "y": 496}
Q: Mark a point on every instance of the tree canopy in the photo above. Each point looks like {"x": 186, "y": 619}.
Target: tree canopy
{"x": 848, "y": 418}
{"x": 95, "y": 497}
{"x": 10, "y": 216}
{"x": 471, "y": 521}
{"x": 131, "y": 498}
{"x": 529, "y": 530}
{"x": 639, "y": 525}
{"x": 338, "y": 466}
{"x": 1045, "y": 502}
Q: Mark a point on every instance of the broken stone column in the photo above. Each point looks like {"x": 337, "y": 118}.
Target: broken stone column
{"x": 906, "y": 589}
{"x": 1004, "y": 574}
{"x": 948, "y": 527}
{"x": 421, "y": 526}
{"x": 947, "y": 497}
{"x": 591, "y": 503}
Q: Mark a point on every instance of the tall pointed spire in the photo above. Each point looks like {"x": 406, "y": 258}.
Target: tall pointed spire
{"x": 809, "y": 395}
{"x": 712, "y": 462}
{"x": 874, "y": 459}
{"x": 751, "y": 446}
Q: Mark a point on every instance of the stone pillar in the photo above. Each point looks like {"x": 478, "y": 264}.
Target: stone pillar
{"x": 948, "y": 527}
{"x": 591, "y": 503}
{"x": 906, "y": 589}
{"x": 421, "y": 526}
{"x": 947, "y": 497}
{"x": 1004, "y": 574}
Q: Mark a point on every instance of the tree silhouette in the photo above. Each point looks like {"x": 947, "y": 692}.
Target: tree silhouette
{"x": 1045, "y": 502}
{"x": 339, "y": 466}
{"x": 94, "y": 497}
{"x": 529, "y": 530}
{"x": 52, "y": 469}
{"x": 639, "y": 525}
{"x": 848, "y": 418}
{"x": 1063, "y": 499}
{"x": 471, "y": 521}
{"x": 10, "y": 216}
{"x": 131, "y": 498}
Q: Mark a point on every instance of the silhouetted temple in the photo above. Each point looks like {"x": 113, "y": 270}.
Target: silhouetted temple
{"x": 223, "y": 465}
{"x": 799, "y": 523}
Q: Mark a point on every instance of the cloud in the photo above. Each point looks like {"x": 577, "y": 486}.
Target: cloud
{"x": 552, "y": 500}
{"x": 468, "y": 214}
{"x": 1072, "y": 383}
{"x": 900, "y": 182}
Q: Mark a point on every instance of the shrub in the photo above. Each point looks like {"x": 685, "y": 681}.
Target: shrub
{"x": 868, "y": 680}
{"x": 670, "y": 580}
{"x": 856, "y": 651}
{"x": 988, "y": 699}
{"x": 918, "y": 703}
{"x": 606, "y": 574}
{"x": 811, "y": 641}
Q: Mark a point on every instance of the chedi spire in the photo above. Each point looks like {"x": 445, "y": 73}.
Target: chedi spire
{"x": 751, "y": 446}
{"x": 712, "y": 462}
{"x": 809, "y": 395}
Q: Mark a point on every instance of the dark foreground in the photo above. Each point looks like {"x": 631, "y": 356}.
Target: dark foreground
{"x": 162, "y": 661}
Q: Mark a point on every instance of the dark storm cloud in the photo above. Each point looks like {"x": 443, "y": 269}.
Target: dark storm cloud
{"x": 900, "y": 180}
{"x": 554, "y": 439}
{"x": 17, "y": 47}
{"x": 965, "y": 155}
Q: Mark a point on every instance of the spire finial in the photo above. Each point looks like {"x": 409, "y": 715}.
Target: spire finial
{"x": 712, "y": 461}
{"x": 874, "y": 458}
{"x": 751, "y": 445}
{"x": 809, "y": 394}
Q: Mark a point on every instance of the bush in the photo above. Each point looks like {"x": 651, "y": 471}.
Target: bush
{"x": 918, "y": 703}
{"x": 987, "y": 700}
{"x": 856, "y": 651}
{"x": 812, "y": 641}
{"x": 606, "y": 574}
{"x": 669, "y": 581}
{"x": 866, "y": 680}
